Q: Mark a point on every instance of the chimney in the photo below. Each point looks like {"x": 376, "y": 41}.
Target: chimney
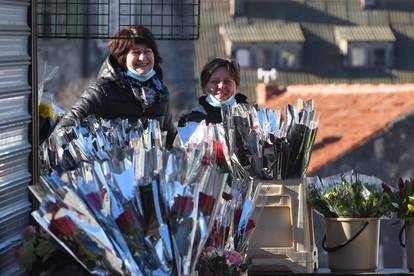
{"x": 366, "y": 4}
{"x": 236, "y": 7}
{"x": 265, "y": 91}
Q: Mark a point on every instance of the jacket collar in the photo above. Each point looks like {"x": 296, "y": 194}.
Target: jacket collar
{"x": 111, "y": 70}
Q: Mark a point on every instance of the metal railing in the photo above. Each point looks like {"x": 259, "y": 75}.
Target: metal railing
{"x": 100, "y": 19}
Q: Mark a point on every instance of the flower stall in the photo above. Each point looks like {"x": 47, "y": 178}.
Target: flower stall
{"x": 225, "y": 199}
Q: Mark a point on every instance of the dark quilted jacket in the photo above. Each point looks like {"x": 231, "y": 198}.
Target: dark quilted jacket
{"x": 111, "y": 96}
{"x": 207, "y": 112}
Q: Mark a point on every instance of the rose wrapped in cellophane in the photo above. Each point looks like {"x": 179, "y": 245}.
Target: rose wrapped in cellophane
{"x": 155, "y": 206}
{"x": 104, "y": 173}
{"x": 236, "y": 216}
{"x": 193, "y": 200}
{"x": 69, "y": 221}
{"x": 268, "y": 148}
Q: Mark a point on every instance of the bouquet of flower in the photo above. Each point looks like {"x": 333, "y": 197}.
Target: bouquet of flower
{"x": 402, "y": 200}
{"x": 48, "y": 111}
{"x": 268, "y": 148}
{"x": 126, "y": 205}
{"x": 217, "y": 262}
{"x": 350, "y": 195}
{"x": 235, "y": 221}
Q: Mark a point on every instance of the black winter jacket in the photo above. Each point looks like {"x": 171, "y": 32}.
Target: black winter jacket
{"x": 113, "y": 95}
{"x": 207, "y": 112}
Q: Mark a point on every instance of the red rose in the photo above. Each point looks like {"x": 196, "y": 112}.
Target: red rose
{"x": 95, "y": 199}
{"x": 56, "y": 207}
{"x": 183, "y": 205}
{"x": 250, "y": 225}
{"x": 236, "y": 216}
{"x": 125, "y": 220}
{"x": 63, "y": 226}
{"x": 218, "y": 153}
{"x": 206, "y": 203}
{"x": 226, "y": 196}
{"x": 220, "y": 236}
{"x": 206, "y": 160}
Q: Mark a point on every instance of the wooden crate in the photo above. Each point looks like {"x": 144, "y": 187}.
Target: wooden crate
{"x": 283, "y": 239}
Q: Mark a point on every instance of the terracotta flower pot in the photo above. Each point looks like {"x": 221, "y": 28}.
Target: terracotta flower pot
{"x": 352, "y": 244}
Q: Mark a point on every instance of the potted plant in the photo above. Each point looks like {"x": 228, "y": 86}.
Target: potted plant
{"x": 352, "y": 205}
{"x": 402, "y": 203}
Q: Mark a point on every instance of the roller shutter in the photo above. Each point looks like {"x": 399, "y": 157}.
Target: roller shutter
{"x": 15, "y": 127}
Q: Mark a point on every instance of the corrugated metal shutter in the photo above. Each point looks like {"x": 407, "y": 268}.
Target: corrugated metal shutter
{"x": 15, "y": 127}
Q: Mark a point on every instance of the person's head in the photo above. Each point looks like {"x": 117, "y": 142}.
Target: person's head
{"x": 220, "y": 77}
{"x": 134, "y": 48}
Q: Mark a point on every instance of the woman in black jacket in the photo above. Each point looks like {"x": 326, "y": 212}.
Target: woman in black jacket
{"x": 220, "y": 79}
{"x": 129, "y": 84}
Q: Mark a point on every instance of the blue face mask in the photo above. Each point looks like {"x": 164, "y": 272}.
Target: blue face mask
{"x": 139, "y": 77}
{"x": 214, "y": 102}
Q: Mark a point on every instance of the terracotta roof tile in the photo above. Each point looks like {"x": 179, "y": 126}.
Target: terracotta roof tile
{"x": 349, "y": 114}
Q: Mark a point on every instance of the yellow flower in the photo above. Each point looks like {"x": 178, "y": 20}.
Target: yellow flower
{"x": 410, "y": 208}
{"x": 46, "y": 111}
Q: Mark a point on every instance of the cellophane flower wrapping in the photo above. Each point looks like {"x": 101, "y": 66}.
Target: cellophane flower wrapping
{"x": 130, "y": 206}
{"x": 348, "y": 195}
{"x": 267, "y": 147}
{"x": 237, "y": 212}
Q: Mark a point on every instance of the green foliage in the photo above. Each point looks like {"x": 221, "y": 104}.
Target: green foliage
{"x": 351, "y": 196}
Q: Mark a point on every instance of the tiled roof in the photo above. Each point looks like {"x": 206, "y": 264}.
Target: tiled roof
{"x": 349, "y": 114}
{"x": 364, "y": 33}
{"x": 321, "y": 62}
{"x": 267, "y": 31}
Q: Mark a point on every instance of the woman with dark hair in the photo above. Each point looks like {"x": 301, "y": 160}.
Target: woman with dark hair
{"x": 129, "y": 84}
{"x": 220, "y": 79}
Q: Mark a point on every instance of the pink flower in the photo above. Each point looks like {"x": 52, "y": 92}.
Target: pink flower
{"x": 28, "y": 232}
{"x": 210, "y": 249}
{"x": 233, "y": 257}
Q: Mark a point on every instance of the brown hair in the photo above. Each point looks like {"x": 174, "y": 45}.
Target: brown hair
{"x": 231, "y": 65}
{"x": 126, "y": 38}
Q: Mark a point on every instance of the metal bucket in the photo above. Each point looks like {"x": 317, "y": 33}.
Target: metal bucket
{"x": 408, "y": 228}
{"x": 352, "y": 244}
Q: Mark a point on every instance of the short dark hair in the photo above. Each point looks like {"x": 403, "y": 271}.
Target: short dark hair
{"x": 231, "y": 65}
{"x": 126, "y": 38}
